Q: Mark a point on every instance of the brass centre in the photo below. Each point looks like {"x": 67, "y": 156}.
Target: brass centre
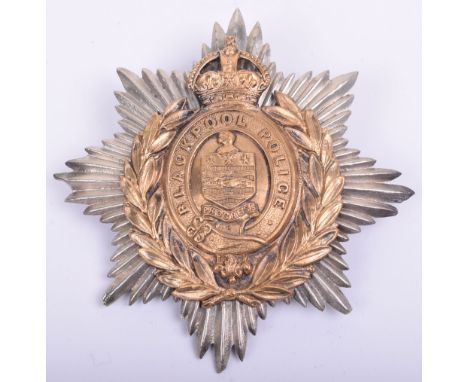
{"x": 231, "y": 181}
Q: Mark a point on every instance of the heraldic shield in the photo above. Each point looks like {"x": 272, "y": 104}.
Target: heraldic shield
{"x": 228, "y": 175}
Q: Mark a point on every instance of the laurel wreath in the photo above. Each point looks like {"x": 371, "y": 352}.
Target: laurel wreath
{"x": 288, "y": 264}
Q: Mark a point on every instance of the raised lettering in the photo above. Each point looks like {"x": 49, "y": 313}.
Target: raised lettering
{"x": 227, "y": 118}
{"x": 283, "y": 188}
{"x": 274, "y": 146}
{"x": 183, "y": 209}
{"x": 210, "y": 122}
{"x": 179, "y": 160}
{"x": 264, "y": 133}
{"x": 179, "y": 192}
{"x": 280, "y": 203}
{"x": 241, "y": 121}
{"x": 279, "y": 159}
{"x": 186, "y": 144}
{"x": 178, "y": 175}
{"x": 196, "y": 131}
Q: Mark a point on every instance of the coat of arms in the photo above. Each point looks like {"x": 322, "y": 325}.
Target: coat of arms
{"x": 228, "y": 175}
{"x": 231, "y": 187}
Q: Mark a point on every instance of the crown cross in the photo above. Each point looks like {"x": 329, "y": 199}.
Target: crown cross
{"x": 229, "y": 56}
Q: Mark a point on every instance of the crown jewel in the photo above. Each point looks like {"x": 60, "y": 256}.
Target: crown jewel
{"x": 227, "y": 82}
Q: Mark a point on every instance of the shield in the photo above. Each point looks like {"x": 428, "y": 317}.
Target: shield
{"x": 228, "y": 180}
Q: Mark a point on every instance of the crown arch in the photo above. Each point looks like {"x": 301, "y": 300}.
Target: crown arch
{"x": 228, "y": 82}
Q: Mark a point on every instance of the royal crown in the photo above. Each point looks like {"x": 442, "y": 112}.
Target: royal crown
{"x": 229, "y": 74}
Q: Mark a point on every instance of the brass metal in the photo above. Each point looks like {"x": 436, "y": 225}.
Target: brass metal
{"x": 217, "y": 200}
{"x": 231, "y": 181}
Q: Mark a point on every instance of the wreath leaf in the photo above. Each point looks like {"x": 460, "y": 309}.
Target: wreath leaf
{"x": 313, "y": 255}
{"x": 287, "y": 102}
{"x": 177, "y": 119}
{"x": 174, "y": 106}
{"x": 213, "y": 300}
{"x": 157, "y": 259}
{"x": 144, "y": 241}
{"x": 138, "y": 219}
{"x": 203, "y": 270}
{"x": 314, "y": 129}
{"x": 316, "y": 174}
{"x": 325, "y": 237}
{"x": 327, "y": 151}
{"x": 129, "y": 173}
{"x": 284, "y": 116}
{"x": 162, "y": 141}
{"x": 249, "y": 300}
{"x": 150, "y": 174}
{"x": 271, "y": 293}
{"x": 180, "y": 253}
{"x": 328, "y": 216}
{"x": 151, "y": 130}
{"x": 154, "y": 207}
{"x": 333, "y": 190}
{"x": 288, "y": 246}
{"x": 300, "y": 138}
{"x": 195, "y": 292}
{"x": 129, "y": 186}
{"x": 172, "y": 280}
{"x": 136, "y": 154}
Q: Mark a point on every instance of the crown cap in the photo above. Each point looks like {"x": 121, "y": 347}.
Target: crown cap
{"x": 228, "y": 83}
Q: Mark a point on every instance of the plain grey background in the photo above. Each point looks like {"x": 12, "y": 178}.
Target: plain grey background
{"x": 381, "y": 338}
